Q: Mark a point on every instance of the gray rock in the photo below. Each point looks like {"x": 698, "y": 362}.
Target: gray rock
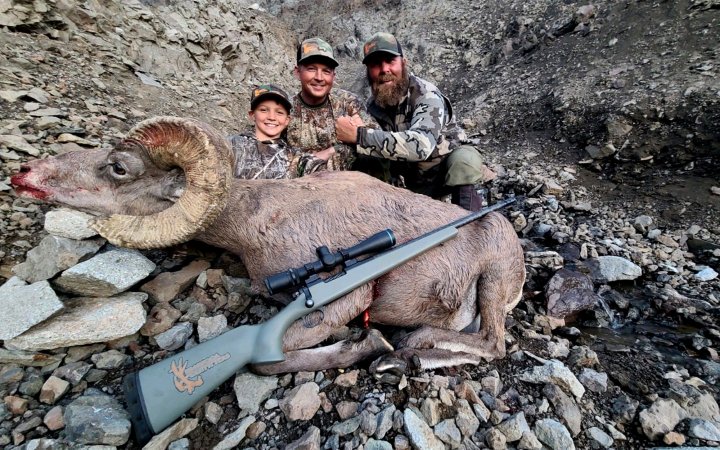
{"x": 553, "y": 434}
{"x": 595, "y": 381}
{"x": 18, "y": 143}
{"x": 372, "y": 444}
{"x": 565, "y": 407}
{"x": 175, "y": 337}
{"x": 171, "y": 433}
{"x": 661, "y": 418}
{"x": 568, "y": 293}
{"x": 111, "y": 359}
{"x": 24, "y": 306}
{"x": 251, "y": 390}
{"x": 529, "y": 441}
{"x": 449, "y": 433}
{"x": 606, "y": 269}
{"x": 308, "y": 441}
{"x": 86, "y": 321}
{"x": 384, "y": 421}
{"x": 706, "y": 274}
{"x": 210, "y": 327}
{"x": 28, "y": 359}
{"x": 233, "y": 439}
{"x": 69, "y": 224}
{"x": 555, "y": 372}
{"x": 302, "y": 402}
{"x": 73, "y": 372}
{"x": 346, "y": 426}
{"x": 420, "y": 434}
{"x": 514, "y": 427}
{"x": 96, "y": 419}
{"x": 600, "y": 438}
{"x": 53, "y": 255}
{"x": 106, "y": 274}
{"x": 465, "y": 419}
{"x": 703, "y": 429}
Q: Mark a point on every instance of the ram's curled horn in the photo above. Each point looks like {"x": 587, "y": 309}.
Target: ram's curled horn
{"x": 203, "y": 154}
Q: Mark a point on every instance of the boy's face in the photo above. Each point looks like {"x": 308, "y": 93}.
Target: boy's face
{"x": 316, "y": 80}
{"x": 270, "y": 119}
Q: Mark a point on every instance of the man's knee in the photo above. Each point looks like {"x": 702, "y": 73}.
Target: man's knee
{"x": 465, "y": 166}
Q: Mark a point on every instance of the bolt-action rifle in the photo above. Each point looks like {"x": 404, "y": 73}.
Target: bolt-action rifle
{"x": 159, "y": 394}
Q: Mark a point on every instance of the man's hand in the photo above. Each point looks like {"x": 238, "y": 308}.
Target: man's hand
{"x": 346, "y": 128}
{"x": 325, "y": 154}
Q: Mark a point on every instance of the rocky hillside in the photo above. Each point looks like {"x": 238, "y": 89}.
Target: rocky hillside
{"x": 604, "y": 115}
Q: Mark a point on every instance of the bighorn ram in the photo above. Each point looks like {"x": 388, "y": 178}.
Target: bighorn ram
{"x": 170, "y": 180}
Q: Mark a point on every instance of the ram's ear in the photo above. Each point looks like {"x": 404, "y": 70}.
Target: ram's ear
{"x": 173, "y": 185}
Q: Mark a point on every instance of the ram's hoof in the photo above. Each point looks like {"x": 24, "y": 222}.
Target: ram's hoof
{"x": 388, "y": 369}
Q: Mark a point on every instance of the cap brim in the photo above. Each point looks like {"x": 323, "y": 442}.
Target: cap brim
{"x": 271, "y": 96}
{"x": 376, "y": 52}
{"x": 320, "y": 58}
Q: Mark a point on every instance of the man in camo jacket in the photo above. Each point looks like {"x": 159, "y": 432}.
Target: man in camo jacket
{"x": 315, "y": 108}
{"x": 419, "y": 134}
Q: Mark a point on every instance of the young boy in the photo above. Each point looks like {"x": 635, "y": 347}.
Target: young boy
{"x": 264, "y": 153}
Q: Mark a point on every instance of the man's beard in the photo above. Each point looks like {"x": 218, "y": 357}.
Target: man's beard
{"x": 387, "y": 95}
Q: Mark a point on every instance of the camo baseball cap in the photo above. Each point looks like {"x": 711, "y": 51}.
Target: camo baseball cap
{"x": 316, "y": 48}
{"x": 266, "y": 92}
{"x": 381, "y": 42}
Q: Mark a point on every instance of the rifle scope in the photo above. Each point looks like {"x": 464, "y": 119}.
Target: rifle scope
{"x": 327, "y": 261}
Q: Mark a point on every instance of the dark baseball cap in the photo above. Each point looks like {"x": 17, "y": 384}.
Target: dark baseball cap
{"x": 381, "y": 42}
{"x": 266, "y": 92}
{"x": 316, "y": 48}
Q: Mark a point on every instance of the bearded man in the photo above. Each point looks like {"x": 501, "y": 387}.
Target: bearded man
{"x": 419, "y": 135}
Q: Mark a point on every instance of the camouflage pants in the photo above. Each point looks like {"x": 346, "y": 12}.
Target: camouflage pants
{"x": 464, "y": 165}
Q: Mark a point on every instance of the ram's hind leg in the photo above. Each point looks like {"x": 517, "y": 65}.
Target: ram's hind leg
{"x": 339, "y": 355}
{"x": 319, "y": 326}
{"x": 432, "y": 347}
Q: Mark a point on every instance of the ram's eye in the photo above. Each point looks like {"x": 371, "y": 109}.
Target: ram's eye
{"x": 118, "y": 168}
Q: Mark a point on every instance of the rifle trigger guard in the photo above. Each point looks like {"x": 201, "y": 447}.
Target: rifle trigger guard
{"x": 314, "y": 319}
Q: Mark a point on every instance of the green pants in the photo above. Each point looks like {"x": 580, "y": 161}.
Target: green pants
{"x": 464, "y": 165}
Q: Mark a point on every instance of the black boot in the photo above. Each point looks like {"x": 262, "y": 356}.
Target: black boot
{"x": 466, "y": 196}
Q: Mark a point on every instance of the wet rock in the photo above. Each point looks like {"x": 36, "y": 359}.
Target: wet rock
{"x": 168, "y": 285}
{"x": 96, "y": 418}
{"x": 419, "y": 433}
{"x": 24, "y": 306}
{"x": 568, "y": 293}
{"x": 251, "y": 390}
{"x": 69, "y": 224}
{"x": 86, "y": 321}
{"x": 605, "y": 269}
{"x": 53, "y": 255}
{"x": 553, "y": 434}
{"x": 171, "y": 433}
{"x": 106, "y": 274}
{"x": 302, "y": 402}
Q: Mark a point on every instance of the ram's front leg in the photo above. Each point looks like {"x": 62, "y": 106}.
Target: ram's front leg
{"x": 319, "y": 326}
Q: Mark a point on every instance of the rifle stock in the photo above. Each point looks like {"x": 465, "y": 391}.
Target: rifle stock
{"x": 159, "y": 394}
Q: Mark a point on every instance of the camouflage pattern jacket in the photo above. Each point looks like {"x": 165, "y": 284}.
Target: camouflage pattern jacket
{"x": 270, "y": 159}
{"x": 420, "y": 129}
{"x": 312, "y": 128}
{"x": 260, "y": 160}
